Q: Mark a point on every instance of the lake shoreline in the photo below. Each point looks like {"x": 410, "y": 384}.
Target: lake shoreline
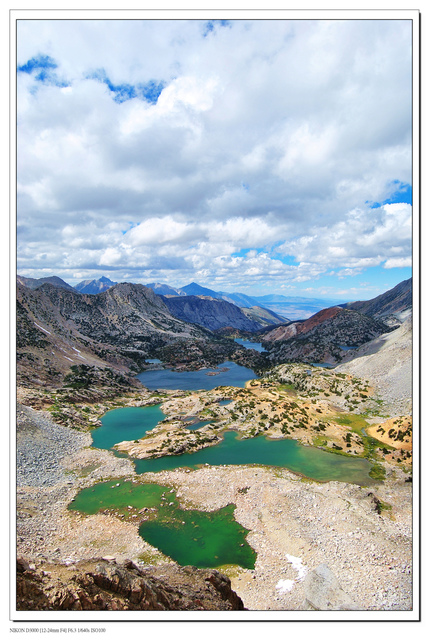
{"x": 285, "y": 515}
{"x": 357, "y": 531}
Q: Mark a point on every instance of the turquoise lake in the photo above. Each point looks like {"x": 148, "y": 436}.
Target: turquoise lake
{"x": 232, "y": 450}
{"x": 131, "y": 423}
{"x": 126, "y": 423}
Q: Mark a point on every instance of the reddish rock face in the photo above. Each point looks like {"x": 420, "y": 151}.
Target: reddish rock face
{"x": 298, "y": 328}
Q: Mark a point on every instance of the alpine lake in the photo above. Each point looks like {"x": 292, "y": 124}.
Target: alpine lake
{"x": 192, "y": 537}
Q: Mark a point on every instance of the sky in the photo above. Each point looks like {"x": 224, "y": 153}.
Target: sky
{"x": 261, "y": 156}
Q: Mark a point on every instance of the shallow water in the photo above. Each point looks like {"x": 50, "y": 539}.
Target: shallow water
{"x": 126, "y": 423}
{"x": 232, "y": 450}
{"x": 325, "y": 365}
{"x": 198, "y": 425}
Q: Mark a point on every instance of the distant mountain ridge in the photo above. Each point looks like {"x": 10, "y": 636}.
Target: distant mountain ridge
{"x": 322, "y": 337}
{"x": 211, "y": 313}
{"x": 165, "y": 289}
{"x": 394, "y": 302}
{"x": 276, "y": 308}
{"x": 35, "y": 283}
{"x": 95, "y": 286}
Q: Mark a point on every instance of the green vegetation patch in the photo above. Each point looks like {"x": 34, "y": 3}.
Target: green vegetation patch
{"x": 377, "y": 472}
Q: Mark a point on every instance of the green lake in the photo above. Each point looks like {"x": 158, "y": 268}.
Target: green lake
{"x": 188, "y": 536}
{"x": 309, "y": 461}
{"x": 199, "y": 538}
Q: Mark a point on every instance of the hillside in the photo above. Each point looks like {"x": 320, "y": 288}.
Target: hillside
{"x": 58, "y": 328}
{"x": 320, "y": 338}
{"x": 35, "y": 283}
{"x": 395, "y": 302}
{"x": 386, "y": 362}
{"x": 210, "y": 313}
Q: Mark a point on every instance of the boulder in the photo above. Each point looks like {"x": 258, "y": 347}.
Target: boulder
{"x": 323, "y": 592}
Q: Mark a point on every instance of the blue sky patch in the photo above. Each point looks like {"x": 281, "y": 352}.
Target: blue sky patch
{"x": 242, "y": 253}
{"x": 402, "y": 192}
{"x": 209, "y": 26}
{"x": 45, "y": 66}
{"x": 149, "y": 91}
{"x": 38, "y": 62}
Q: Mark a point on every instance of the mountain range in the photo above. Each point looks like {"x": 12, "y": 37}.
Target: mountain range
{"x": 57, "y": 327}
{"x": 390, "y": 306}
{"x": 283, "y": 308}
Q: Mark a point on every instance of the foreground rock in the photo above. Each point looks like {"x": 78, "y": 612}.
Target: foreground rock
{"x": 324, "y": 593}
{"x": 104, "y": 585}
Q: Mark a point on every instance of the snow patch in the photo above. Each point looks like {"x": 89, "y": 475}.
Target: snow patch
{"x": 284, "y": 586}
{"x": 297, "y": 565}
{"x": 45, "y": 330}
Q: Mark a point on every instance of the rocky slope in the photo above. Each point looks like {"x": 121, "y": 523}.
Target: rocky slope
{"x": 210, "y": 313}
{"x": 386, "y": 362}
{"x": 396, "y": 302}
{"x": 100, "y": 584}
{"x": 58, "y": 328}
{"x": 320, "y": 338}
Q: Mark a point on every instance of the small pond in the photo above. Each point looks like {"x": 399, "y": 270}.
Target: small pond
{"x": 257, "y": 346}
{"x": 126, "y": 423}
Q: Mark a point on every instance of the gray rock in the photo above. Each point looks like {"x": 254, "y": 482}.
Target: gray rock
{"x": 323, "y": 592}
